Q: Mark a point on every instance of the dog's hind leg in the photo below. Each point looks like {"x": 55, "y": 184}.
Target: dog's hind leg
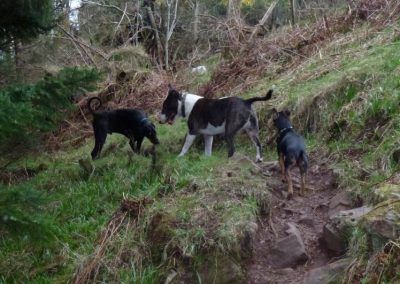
{"x": 100, "y": 138}
{"x": 289, "y": 162}
{"x": 289, "y": 180}
{"x": 132, "y": 144}
{"x": 303, "y": 182}
{"x": 303, "y": 165}
{"x": 282, "y": 166}
{"x": 231, "y": 145}
{"x": 208, "y": 140}
{"x": 251, "y": 128}
{"x": 252, "y": 133}
{"x": 188, "y": 142}
{"x": 231, "y": 128}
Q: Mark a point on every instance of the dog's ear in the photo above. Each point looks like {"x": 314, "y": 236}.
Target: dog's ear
{"x": 170, "y": 88}
{"x": 287, "y": 112}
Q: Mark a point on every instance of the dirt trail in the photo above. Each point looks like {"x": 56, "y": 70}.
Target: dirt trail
{"x": 309, "y": 214}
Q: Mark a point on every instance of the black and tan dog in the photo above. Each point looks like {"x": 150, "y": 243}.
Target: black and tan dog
{"x": 210, "y": 117}
{"x": 291, "y": 150}
{"x": 132, "y": 123}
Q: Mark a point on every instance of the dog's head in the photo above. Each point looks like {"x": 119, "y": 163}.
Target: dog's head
{"x": 170, "y": 106}
{"x": 281, "y": 119}
{"x": 150, "y": 133}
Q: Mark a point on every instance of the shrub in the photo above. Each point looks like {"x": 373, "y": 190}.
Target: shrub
{"x": 27, "y": 111}
{"x": 19, "y": 207}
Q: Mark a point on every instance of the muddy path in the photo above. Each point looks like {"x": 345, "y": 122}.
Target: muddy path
{"x": 308, "y": 214}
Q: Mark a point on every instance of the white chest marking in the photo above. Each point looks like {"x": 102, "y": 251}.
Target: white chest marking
{"x": 213, "y": 130}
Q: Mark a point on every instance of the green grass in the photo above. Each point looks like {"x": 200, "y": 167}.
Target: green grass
{"x": 186, "y": 191}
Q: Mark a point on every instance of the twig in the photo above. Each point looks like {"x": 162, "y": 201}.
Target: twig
{"x": 122, "y": 17}
{"x": 271, "y": 224}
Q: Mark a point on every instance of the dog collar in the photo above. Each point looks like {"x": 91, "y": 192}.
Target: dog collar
{"x": 183, "y": 111}
{"x": 144, "y": 119}
{"x": 284, "y": 129}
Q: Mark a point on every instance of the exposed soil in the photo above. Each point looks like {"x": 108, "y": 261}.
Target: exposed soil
{"x": 309, "y": 214}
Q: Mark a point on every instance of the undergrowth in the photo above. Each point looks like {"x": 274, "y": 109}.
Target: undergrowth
{"x": 194, "y": 208}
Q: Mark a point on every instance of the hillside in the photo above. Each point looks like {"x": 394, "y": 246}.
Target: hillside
{"x": 154, "y": 217}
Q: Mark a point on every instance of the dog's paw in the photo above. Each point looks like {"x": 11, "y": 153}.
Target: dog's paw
{"x": 259, "y": 160}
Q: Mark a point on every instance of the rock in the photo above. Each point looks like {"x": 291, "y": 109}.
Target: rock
{"x": 306, "y": 220}
{"x": 285, "y": 271}
{"x": 288, "y": 251}
{"x": 334, "y": 239}
{"x": 384, "y": 220}
{"x": 339, "y": 203}
{"x": 328, "y": 273}
{"x": 285, "y": 194}
{"x": 387, "y": 190}
{"x": 335, "y": 232}
{"x": 298, "y": 199}
{"x": 246, "y": 243}
{"x": 199, "y": 70}
{"x": 220, "y": 269}
{"x": 86, "y": 165}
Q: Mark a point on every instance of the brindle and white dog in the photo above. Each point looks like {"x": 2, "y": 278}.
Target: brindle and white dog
{"x": 210, "y": 117}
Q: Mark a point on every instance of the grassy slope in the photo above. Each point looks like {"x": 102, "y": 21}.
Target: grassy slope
{"x": 354, "y": 79}
{"x": 348, "y": 98}
{"x": 78, "y": 205}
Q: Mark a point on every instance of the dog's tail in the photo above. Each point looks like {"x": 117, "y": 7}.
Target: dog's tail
{"x": 89, "y": 103}
{"x": 265, "y": 98}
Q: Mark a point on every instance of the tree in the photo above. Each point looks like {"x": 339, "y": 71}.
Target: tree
{"x": 22, "y": 20}
{"x": 169, "y": 27}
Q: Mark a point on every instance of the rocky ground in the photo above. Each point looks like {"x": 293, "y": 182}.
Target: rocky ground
{"x": 289, "y": 246}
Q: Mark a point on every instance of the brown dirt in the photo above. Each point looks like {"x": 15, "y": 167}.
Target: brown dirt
{"x": 314, "y": 205}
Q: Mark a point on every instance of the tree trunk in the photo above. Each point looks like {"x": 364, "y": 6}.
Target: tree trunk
{"x": 292, "y": 11}
{"x": 17, "y": 59}
{"x": 264, "y": 19}
{"x": 137, "y": 23}
{"x": 155, "y": 31}
{"x": 169, "y": 29}
{"x": 166, "y": 45}
{"x": 233, "y": 8}
{"x": 196, "y": 21}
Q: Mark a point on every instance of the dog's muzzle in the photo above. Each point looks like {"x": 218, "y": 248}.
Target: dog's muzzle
{"x": 162, "y": 118}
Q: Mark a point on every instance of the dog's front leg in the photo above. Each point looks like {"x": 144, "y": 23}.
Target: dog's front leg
{"x": 188, "y": 142}
{"x": 132, "y": 144}
{"x": 208, "y": 140}
{"x": 139, "y": 144}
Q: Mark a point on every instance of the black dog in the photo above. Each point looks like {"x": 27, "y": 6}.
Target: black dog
{"x": 132, "y": 123}
{"x": 291, "y": 150}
